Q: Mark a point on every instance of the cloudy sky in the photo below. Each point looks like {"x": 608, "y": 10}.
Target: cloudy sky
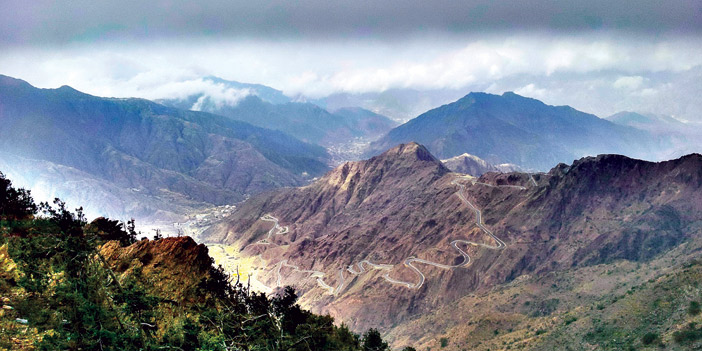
{"x": 598, "y": 56}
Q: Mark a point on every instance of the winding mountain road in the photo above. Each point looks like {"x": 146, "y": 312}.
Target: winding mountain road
{"x": 410, "y": 261}
{"x": 277, "y": 229}
{"x": 313, "y": 274}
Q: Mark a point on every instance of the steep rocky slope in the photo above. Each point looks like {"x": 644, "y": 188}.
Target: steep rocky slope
{"x": 621, "y": 305}
{"x": 175, "y": 266}
{"x": 350, "y": 239}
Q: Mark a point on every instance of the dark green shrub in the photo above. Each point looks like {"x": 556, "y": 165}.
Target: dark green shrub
{"x": 649, "y": 338}
{"x": 694, "y": 308}
{"x": 443, "y": 342}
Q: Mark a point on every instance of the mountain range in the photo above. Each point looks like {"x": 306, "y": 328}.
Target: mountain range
{"x": 269, "y": 108}
{"x": 391, "y": 241}
{"x": 452, "y": 245}
{"x": 507, "y": 129}
{"x": 513, "y": 129}
{"x": 682, "y": 137}
{"x": 180, "y": 158}
{"x": 648, "y": 121}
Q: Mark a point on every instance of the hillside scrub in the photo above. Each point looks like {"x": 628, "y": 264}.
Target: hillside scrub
{"x": 63, "y": 293}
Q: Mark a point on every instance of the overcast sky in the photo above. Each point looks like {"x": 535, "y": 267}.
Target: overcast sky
{"x": 598, "y": 56}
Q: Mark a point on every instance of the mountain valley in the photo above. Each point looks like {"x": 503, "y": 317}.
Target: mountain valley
{"x": 351, "y": 175}
{"x": 160, "y": 162}
{"x": 268, "y": 108}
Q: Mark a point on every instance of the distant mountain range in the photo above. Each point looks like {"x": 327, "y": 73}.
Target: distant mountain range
{"x": 682, "y": 137}
{"x": 181, "y": 157}
{"x": 506, "y": 129}
{"x": 399, "y": 104}
{"x": 165, "y": 159}
{"x": 383, "y": 242}
{"x": 265, "y": 93}
{"x": 513, "y": 129}
{"x": 648, "y": 122}
{"x": 269, "y": 108}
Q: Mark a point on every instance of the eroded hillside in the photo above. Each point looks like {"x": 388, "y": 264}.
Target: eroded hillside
{"x": 382, "y": 241}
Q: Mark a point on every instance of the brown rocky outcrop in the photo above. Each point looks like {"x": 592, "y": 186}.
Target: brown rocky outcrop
{"x": 174, "y": 266}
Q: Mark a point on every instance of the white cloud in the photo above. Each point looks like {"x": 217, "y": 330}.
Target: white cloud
{"x": 527, "y": 64}
{"x": 531, "y": 90}
{"x": 219, "y": 95}
{"x": 647, "y": 93}
{"x": 628, "y": 83}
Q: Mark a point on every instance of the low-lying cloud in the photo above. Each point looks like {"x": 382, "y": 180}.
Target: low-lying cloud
{"x": 597, "y": 73}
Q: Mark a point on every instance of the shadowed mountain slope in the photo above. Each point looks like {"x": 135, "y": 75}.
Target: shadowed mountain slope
{"x": 510, "y": 128}
{"x": 154, "y": 149}
{"x": 268, "y": 108}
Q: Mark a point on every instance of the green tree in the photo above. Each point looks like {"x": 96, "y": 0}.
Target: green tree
{"x": 694, "y": 308}
{"x": 71, "y": 290}
{"x": 15, "y": 204}
{"x": 107, "y": 229}
{"x": 372, "y": 341}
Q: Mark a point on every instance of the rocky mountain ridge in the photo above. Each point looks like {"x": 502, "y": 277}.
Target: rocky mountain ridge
{"x": 345, "y": 240}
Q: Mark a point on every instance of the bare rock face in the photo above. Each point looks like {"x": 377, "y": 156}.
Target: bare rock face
{"x": 379, "y": 242}
{"x": 174, "y": 265}
{"x": 469, "y": 164}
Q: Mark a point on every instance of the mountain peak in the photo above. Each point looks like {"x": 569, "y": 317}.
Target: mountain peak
{"x": 410, "y": 162}
{"x": 13, "y": 82}
{"x": 411, "y": 151}
{"x": 66, "y": 89}
{"x": 510, "y": 128}
{"x": 475, "y": 96}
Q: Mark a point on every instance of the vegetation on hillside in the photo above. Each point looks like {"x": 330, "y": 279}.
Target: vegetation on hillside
{"x": 59, "y": 293}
